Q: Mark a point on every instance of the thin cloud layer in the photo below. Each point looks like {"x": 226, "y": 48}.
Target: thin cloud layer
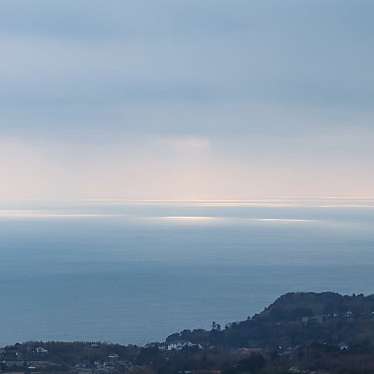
{"x": 186, "y": 100}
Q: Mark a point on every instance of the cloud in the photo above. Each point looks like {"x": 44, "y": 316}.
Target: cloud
{"x": 189, "y": 99}
{"x": 186, "y": 144}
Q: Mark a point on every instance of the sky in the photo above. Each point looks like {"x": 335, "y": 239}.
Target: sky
{"x": 186, "y": 99}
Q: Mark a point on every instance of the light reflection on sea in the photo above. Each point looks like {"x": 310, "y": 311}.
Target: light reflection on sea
{"x": 135, "y": 272}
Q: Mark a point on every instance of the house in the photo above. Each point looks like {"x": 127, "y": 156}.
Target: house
{"x": 41, "y": 351}
{"x": 113, "y": 357}
{"x": 343, "y": 347}
{"x": 181, "y": 345}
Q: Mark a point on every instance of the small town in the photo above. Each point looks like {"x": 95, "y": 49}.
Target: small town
{"x": 300, "y": 333}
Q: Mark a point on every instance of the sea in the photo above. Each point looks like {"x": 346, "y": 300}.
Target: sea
{"x": 135, "y": 272}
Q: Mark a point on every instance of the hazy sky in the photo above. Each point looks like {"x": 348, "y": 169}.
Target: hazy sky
{"x": 186, "y": 99}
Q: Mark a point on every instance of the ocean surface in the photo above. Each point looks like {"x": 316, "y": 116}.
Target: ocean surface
{"x": 136, "y": 272}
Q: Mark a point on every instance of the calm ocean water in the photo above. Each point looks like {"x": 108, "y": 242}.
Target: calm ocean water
{"x": 134, "y": 273}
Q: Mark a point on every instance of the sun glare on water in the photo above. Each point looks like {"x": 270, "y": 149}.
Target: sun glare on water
{"x": 190, "y": 219}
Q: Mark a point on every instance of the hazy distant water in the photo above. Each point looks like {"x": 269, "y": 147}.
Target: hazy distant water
{"x": 134, "y": 273}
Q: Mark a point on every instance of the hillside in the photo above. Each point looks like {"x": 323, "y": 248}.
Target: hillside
{"x": 300, "y": 333}
{"x": 295, "y": 319}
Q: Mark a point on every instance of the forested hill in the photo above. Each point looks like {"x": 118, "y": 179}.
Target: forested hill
{"x": 292, "y": 306}
{"x": 300, "y": 333}
{"x": 295, "y": 319}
